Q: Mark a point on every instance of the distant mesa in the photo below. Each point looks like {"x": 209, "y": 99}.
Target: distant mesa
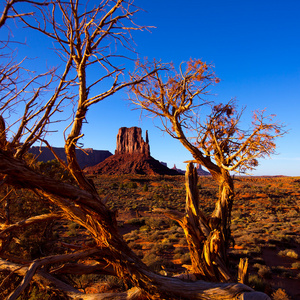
{"x": 132, "y": 156}
{"x": 88, "y": 157}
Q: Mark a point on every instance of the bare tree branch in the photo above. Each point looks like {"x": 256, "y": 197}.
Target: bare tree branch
{"x": 23, "y": 223}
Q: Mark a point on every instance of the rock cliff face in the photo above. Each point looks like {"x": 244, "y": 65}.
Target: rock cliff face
{"x": 130, "y": 141}
{"x": 132, "y": 156}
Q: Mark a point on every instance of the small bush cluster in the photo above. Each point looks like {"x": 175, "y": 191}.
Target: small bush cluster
{"x": 280, "y": 294}
{"x": 288, "y": 253}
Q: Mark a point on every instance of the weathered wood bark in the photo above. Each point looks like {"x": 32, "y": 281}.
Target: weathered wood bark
{"x": 2, "y": 133}
{"x": 243, "y": 271}
{"x": 204, "y": 237}
{"x": 221, "y": 217}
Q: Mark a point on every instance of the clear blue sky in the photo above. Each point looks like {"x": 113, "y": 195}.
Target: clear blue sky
{"x": 255, "y": 48}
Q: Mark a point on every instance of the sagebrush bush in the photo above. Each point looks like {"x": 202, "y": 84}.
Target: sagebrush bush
{"x": 288, "y": 253}
{"x": 265, "y": 272}
{"x": 280, "y": 294}
{"x": 257, "y": 283}
{"x": 296, "y": 265}
{"x": 154, "y": 223}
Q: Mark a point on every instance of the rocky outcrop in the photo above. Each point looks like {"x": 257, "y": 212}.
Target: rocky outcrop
{"x": 130, "y": 141}
{"x": 86, "y": 158}
{"x": 201, "y": 172}
{"x": 130, "y": 164}
{"x": 132, "y": 156}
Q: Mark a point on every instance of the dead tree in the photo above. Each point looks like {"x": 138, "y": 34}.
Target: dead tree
{"x": 81, "y": 41}
{"x": 216, "y": 142}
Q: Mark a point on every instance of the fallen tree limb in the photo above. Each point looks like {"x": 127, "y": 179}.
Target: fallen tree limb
{"x": 45, "y": 261}
{"x": 80, "y": 268}
{"x": 46, "y": 280}
{"x": 42, "y": 278}
{"x": 36, "y": 219}
{"x": 188, "y": 290}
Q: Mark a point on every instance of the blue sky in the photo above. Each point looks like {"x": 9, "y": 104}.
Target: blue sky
{"x": 254, "y": 46}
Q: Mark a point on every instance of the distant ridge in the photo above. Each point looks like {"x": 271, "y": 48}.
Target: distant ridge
{"x": 200, "y": 171}
{"x": 89, "y": 157}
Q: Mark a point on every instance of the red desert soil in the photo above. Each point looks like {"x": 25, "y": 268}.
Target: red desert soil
{"x": 265, "y": 220}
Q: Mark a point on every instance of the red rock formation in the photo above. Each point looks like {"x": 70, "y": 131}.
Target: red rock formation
{"x": 130, "y": 141}
{"x": 130, "y": 164}
{"x": 132, "y": 156}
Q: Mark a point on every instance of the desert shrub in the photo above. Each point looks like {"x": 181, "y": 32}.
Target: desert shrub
{"x": 264, "y": 272}
{"x": 173, "y": 238}
{"x": 37, "y": 294}
{"x": 178, "y": 253}
{"x": 296, "y": 265}
{"x": 72, "y": 227}
{"x": 131, "y": 185}
{"x": 114, "y": 185}
{"x": 114, "y": 282}
{"x": 100, "y": 191}
{"x": 144, "y": 228}
{"x": 278, "y": 270}
{"x": 185, "y": 258}
{"x": 31, "y": 243}
{"x": 131, "y": 236}
{"x": 155, "y": 236}
{"x": 167, "y": 245}
{"x": 257, "y": 283}
{"x": 134, "y": 245}
{"x": 55, "y": 170}
{"x": 160, "y": 248}
{"x": 154, "y": 223}
{"x": 288, "y": 253}
{"x": 280, "y": 294}
{"x": 173, "y": 227}
{"x": 287, "y": 274}
{"x": 182, "y": 241}
{"x": 179, "y": 250}
{"x": 150, "y": 259}
{"x": 136, "y": 221}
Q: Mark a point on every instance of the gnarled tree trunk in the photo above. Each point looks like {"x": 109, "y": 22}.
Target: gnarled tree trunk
{"x": 206, "y": 237}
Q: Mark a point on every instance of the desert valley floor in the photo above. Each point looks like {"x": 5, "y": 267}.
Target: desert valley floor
{"x": 265, "y": 224}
